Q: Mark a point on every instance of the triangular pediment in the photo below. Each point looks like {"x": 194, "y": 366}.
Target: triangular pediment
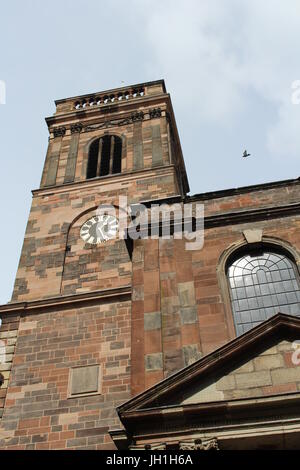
{"x": 259, "y": 372}
{"x": 256, "y": 364}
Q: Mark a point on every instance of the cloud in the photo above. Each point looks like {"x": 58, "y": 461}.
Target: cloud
{"x": 217, "y": 55}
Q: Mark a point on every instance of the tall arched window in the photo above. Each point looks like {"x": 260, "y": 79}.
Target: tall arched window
{"x": 262, "y": 283}
{"x": 105, "y": 156}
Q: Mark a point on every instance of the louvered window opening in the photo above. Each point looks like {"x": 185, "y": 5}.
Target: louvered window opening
{"x": 105, "y": 156}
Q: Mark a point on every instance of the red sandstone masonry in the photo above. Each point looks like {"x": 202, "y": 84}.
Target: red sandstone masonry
{"x": 177, "y": 312}
{"x": 178, "y": 267}
{"x": 38, "y": 413}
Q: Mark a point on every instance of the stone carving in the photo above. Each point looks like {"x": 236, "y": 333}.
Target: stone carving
{"x": 194, "y": 444}
{"x": 105, "y": 124}
{"x": 155, "y": 113}
{"x": 76, "y": 128}
{"x": 199, "y": 444}
{"x": 138, "y": 116}
{"x": 156, "y": 446}
{"x": 79, "y": 127}
{"x": 59, "y": 131}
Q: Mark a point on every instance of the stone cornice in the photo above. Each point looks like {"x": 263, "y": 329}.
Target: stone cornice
{"x": 210, "y": 410}
{"x": 105, "y": 180}
{"x": 230, "y": 419}
{"x": 67, "y": 301}
{"x": 219, "y": 220}
{"x": 252, "y": 215}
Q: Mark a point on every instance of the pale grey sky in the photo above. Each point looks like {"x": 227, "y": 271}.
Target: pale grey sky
{"x": 229, "y": 66}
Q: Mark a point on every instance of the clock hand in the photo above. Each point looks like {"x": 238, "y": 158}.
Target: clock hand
{"x": 99, "y": 230}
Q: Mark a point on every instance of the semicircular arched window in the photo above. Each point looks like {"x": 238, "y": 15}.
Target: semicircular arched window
{"x": 105, "y": 156}
{"x": 262, "y": 283}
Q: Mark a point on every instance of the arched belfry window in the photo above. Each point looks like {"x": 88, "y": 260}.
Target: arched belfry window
{"x": 262, "y": 283}
{"x": 105, "y": 155}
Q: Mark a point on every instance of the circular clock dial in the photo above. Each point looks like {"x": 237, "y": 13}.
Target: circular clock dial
{"x": 99, "y": 229}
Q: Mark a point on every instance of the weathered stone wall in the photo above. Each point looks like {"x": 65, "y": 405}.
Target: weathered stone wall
{"x": 8, "y": 337}
{"x": 184, "y": 312}
{"x": 144, "y": 144}
{"x": 274, "y": 194}
{"x": 93, "y": 267}
{"x": 178, "y": 305}
{"x": 53, "y": 213}
{"x": 38, "y": 413}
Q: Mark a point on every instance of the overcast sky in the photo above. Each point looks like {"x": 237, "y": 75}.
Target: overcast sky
{"x": 228, "y": 64}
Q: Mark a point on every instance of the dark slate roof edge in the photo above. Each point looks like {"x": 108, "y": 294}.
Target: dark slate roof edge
{"x": 243, "y": 189}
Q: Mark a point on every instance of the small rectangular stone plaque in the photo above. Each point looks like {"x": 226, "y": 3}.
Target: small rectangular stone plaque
{"x": 84, "y": 380}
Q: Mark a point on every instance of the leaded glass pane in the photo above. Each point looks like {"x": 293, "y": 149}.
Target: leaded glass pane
{"x": 262, "y": 285}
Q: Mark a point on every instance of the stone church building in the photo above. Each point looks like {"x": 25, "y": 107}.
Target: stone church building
{"x": 125, "y": 343}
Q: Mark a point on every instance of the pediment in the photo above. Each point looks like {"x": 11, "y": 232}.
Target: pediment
{"x": 256, "y": 364}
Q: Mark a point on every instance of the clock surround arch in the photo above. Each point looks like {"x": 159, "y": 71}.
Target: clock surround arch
{"x": 113, "y": 255}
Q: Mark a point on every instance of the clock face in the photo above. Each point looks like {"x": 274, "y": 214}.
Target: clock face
{"x": 99, "y": 229}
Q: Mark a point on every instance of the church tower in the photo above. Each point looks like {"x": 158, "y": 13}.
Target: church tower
{"x": 68, "y": 329}
{"x": 121, "y": 142}
{"x": 141, "y": 343}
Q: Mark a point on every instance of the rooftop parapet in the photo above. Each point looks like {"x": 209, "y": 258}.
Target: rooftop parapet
{"x": 110, "y": 97}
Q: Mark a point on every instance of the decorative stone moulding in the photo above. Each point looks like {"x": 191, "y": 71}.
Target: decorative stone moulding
{"x": 79, "y": 127}
{"x": 59, "y": 131}
{"x": 199, "y": 444}
{"x": 76, "y": 128}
